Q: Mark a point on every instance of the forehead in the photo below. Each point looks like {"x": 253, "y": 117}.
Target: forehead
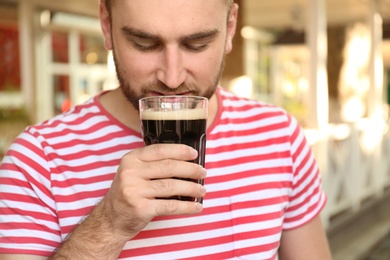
{"x": 154, "y": 15}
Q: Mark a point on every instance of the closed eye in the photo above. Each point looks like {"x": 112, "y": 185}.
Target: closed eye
{"x": 199, "y": 41}
{"x": 195, "y": 47}
{"x": 142, "y": 46}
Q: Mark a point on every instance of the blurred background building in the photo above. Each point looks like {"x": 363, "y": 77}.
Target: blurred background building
{"x": 327, "y": 62}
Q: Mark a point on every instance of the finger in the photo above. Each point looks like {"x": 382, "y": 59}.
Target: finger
{"x": 172, "y": 168}
{"x": 176, "y": 207}
{"x": 157, "y": 152}
{"x": 166, "y": 188}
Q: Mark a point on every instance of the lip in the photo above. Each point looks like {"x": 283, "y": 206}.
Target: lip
{"x": 154, "y": 93}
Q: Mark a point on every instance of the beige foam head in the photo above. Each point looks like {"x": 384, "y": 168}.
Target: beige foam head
{"x": 189, "y": 114}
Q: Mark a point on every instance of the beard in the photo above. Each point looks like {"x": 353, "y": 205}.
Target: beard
{"x": 134, "y": 93}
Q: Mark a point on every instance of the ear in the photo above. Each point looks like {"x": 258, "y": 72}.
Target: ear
{"x": 231, "y": 28}
{"x": 105, "y": 24}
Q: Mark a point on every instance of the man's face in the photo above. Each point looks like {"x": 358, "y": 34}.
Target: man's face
{"x": 169, "y": 47}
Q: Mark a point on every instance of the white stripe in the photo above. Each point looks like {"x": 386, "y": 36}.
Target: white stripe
{"x": 27, "y": 219}
{"x": 245, "y": 126}
{"x": 214, "y": 218}
{"x": 313, "y": 200}
{"x": 239, "y": 102}
{"x": 85, "y": 137}
{"x": 28, "y": 246}
{"x": 85, "y": 175}
{"x": 70, "y": 149}
{"x": 262, "y": 194}
{"x": 215, "y": 143}
{"x": 220, "y": 248}
{"x": 203, "y": 235}
{"x": 91, "y": 112}
{"x": 239, "y": 183}
{"x": 78, "y": 188}
{"x": 309, "y": 215}
{"x": 247, "y": 152}
{"x": 11, "y": 189}
{"x": 32, "y": 233}
{"x": 26, "y": 206}
{"x": 77, "y": 205}
{"x": 67, "y": 124}
{"x": 237, "y": 168}
{"x": 306, "y": 182}
{"x": 255, "y": 111}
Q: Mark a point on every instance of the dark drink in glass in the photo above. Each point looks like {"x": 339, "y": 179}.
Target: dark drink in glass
{"x": 176, "y": 119}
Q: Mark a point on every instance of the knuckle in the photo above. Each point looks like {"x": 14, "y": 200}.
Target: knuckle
{"x": 128, "y": 193}
{"x": 158, "y": 149}
{"x": 167, "y": 165}
{"x": 156, "y": 185}
{"x": 196, "y": 168}
{"x": 162, "y": 185}
{"x": 167, "y": 208}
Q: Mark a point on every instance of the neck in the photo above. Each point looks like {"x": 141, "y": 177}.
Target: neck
{"x": 119, "y": 107}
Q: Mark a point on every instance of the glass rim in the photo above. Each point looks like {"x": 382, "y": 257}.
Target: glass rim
{"x": 173, "y": 97}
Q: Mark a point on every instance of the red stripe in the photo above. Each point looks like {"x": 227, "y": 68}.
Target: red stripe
{"x": 272, "y": 126}
{"x": 305, "y": 202}
{"x": 202, "y": 243}
{"x": 11, "y": 181}
{"x": 30, "y": 161}
{"x": 307, "y": 187}
{"x": 68, "y": 182}
{"x": 208, "y": 226}
{"x": 76, "y": 196}
{"x": 99, "y": 152}
{"x": 248, "y": 145}
{"x": 303, "y": 214}
{"x": 252, "y": 158}
{"x": 247, "y": 189}
{"x": 27, "y": 226}
{"x": 245, "y": 174}
{"x": 86, "y": 167}
{"x": 65, "y": 129}
{"x": 246, "y": 132}
{"x": 28, "y": 213}
{"x": 36, "y": 167}
{"x": 259, "y": 116}
{"x": 25, "y": 251}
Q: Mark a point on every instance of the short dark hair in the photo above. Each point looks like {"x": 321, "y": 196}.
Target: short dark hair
{"x": 109, "y": 4}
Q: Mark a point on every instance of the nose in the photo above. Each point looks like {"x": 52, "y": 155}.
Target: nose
{"x": 171, "y": 70}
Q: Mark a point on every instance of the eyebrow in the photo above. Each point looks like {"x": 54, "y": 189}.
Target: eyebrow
{"x": 128, "y": 31}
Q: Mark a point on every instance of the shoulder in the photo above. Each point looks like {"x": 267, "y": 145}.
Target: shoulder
{"x": 65, "y": 130}
{"x": 77, "y": 115}
{"x": 251, "y": 109}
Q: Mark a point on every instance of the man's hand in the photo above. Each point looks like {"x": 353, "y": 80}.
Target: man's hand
{"x": 143, "y": 176}
{"x": 146, "y": 174}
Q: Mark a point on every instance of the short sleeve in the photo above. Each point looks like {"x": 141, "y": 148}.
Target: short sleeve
{"x": 307, "y": 197}
{"x": 28, "y": 221}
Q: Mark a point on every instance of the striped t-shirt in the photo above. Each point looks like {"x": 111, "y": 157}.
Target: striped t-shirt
{"x": 261, "y": 179}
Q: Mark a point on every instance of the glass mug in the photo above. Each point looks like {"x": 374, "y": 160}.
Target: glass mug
{"x": 176, "y": 119}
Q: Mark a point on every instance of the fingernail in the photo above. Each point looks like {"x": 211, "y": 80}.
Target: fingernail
{"x": 194, "y": 152}
{"x": 202, "y": 189}
{"x": 199, "y": 206}
{"x": 203, "y": 172}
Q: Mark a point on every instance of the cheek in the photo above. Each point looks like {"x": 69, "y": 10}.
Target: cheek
{"x": 208, "y": 65}
{"x": 134, "y": 67}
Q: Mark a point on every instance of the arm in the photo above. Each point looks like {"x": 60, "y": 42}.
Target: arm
{"x": 305, "y": 242}
{"x": 143, "y": 175}
{"x": 130, "y": 204}
{"x": 21, "y": 257}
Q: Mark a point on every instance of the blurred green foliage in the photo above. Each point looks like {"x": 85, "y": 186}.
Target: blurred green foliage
{"x": 12, "y": 115}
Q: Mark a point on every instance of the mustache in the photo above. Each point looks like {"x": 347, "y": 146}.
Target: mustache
{"x": 160, "y": 87}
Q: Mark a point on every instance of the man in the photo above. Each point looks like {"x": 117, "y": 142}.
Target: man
{"x": 83, "y": 186}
